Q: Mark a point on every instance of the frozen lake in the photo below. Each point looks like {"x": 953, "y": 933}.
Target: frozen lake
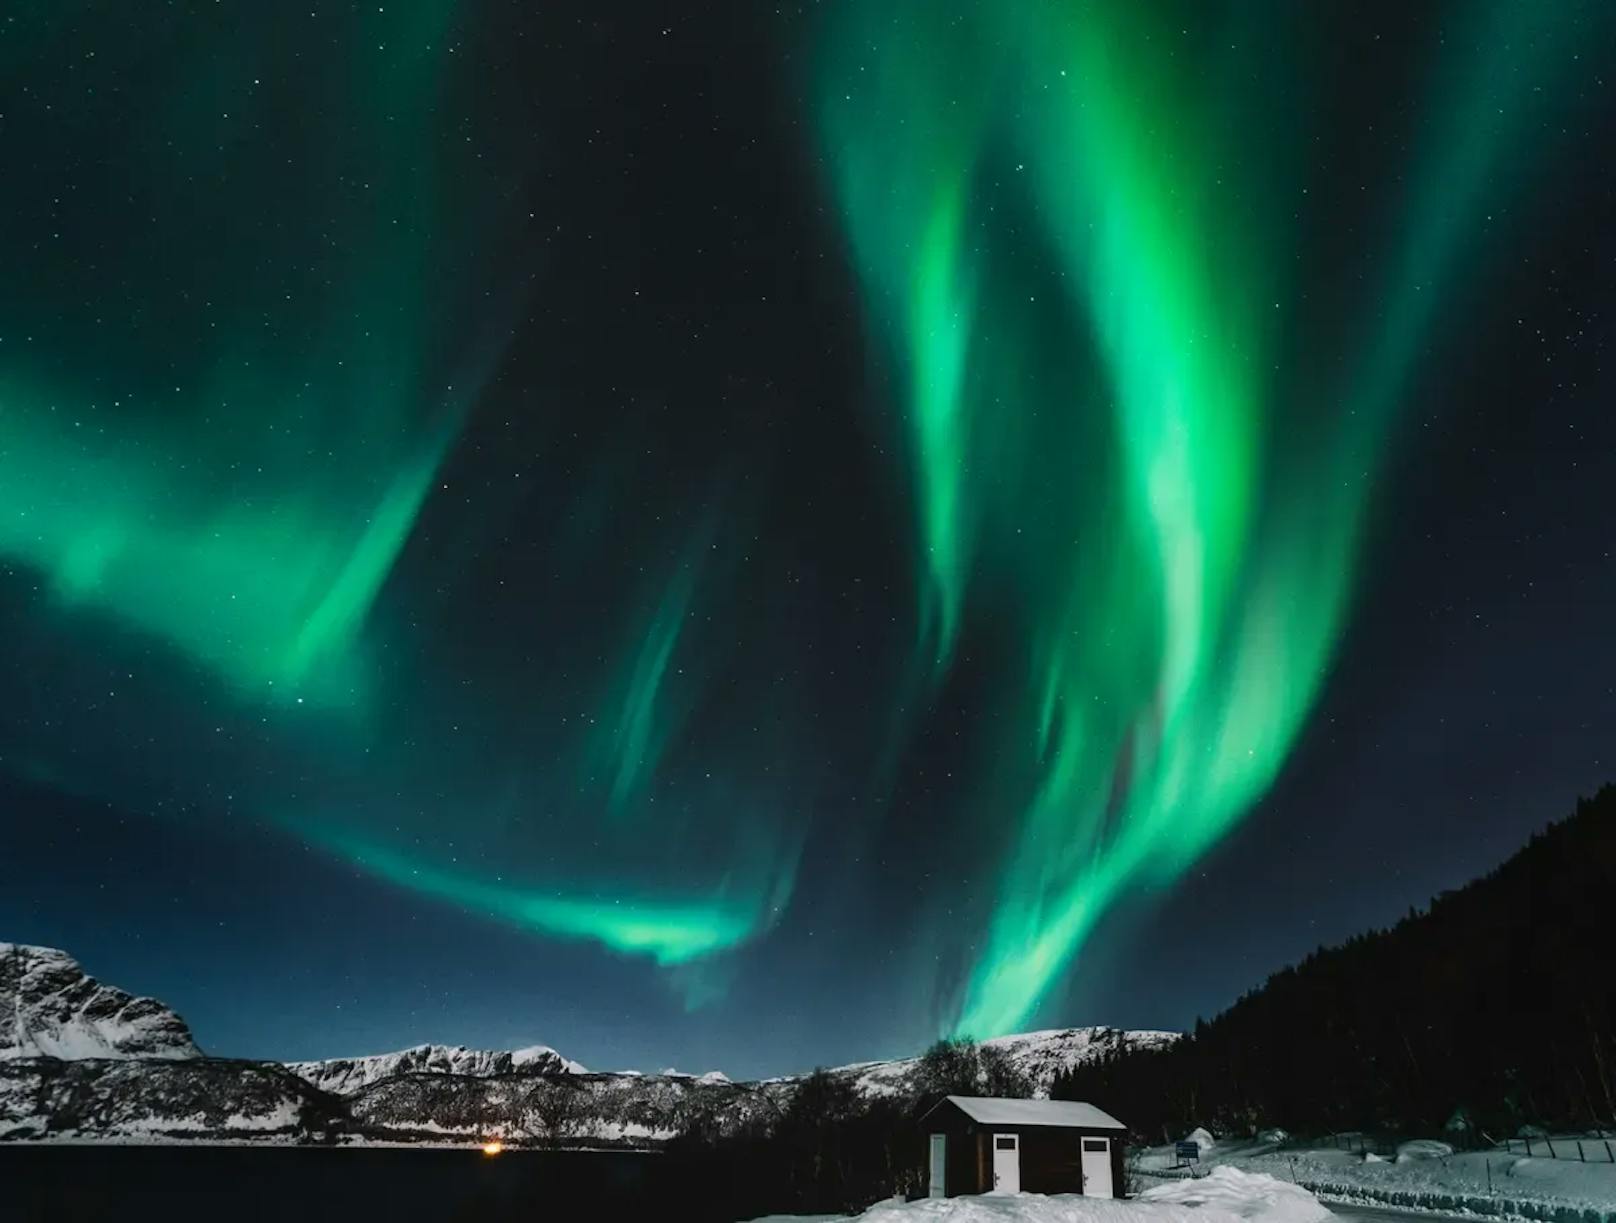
{"x": 173, "y": 1184}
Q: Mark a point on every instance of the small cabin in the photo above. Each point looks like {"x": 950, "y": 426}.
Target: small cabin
{"x": 981, "y": 1144}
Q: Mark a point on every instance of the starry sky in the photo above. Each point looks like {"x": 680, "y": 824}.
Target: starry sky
{"x": 756, "y": 537}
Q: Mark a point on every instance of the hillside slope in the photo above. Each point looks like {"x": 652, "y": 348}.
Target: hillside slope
{"x": 204, "y": 1099}
{"x": 1494, "y": 1009}
{"x": 345, "y": 1075}
{"x": 82, "y": 1061}
{"x": 1038, "y": 1057}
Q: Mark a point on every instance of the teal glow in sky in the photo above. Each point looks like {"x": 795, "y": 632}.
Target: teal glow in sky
{"x": 1183, "y": 585}
{"x": 240, "y": 465}
{"x": 286, "y": 350}
{"x": 757, "y": 509}
{"x": 670, "y": 930}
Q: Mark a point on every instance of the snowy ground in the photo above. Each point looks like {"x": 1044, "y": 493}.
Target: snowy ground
{"x": 1425, "y": 1175}
{"x": 1260, "y": 1182}
{"x": 1228, "y": 1196}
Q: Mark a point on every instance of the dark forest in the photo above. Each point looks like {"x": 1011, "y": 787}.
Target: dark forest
{"x": 1493, "y": 1009}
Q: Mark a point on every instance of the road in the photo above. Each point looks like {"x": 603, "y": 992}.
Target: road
{"x": 1386, "y": 1214}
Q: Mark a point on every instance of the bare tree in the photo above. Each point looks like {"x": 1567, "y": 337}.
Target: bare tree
{"x": 961, "y": 1067}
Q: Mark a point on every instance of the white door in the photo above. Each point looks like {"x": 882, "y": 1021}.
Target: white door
{"x": 1006, "y": 1163}
{"x": 1097, "y": 1168}
{"x": 939, "y": 1166}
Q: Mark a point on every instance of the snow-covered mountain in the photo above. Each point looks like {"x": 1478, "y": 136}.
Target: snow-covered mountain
{"x": 84, "y": 1061}
{"x": 1038, "y": 1056}
{"x": 438, "y": 1093}
{"x": 712, "y": 1076}
{"x": 51, "y": 1007}
{"x": 345, "y": 1075}
{"x": 596, "y": 1110}
{"x": 160, "y": 1099}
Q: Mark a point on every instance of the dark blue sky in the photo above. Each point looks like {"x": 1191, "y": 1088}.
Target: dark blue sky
{"x": 677, "y": 473}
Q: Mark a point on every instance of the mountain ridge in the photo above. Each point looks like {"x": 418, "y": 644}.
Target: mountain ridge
{"x": 345, "y": 1075}
{"x": 51, "y": 1007}
{"x": 86, "y": 1061}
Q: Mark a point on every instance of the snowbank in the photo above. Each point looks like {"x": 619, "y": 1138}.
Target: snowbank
{"x": 1227, "y": 1196}
{"x": 1246, "y": 1195}
{"x": 1023, "y": 1208}
{"x": 1491, "y": 1183}
{"x": 1422, "y": 1148}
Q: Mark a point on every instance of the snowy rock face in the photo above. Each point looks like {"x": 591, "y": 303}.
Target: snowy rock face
{"x": 1039, "y": 1057}
{"x": 50, "y": 1007}
{"x": 158, "y": 1100}
{"x": 345, "y": 1075}
{"x": 83, "y": 1061}
{"x": 573, "y": 1109}
{"x": 432, "y": 1087}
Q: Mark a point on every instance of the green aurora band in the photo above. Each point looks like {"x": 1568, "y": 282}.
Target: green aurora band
{"x": 232, "y": 386}
{"x": 243, "y": 479}
{"x": 670, "y": 930}
{"x": 220, "y": 434}
{"x": 676, "y": 882}
{"x": 1191, "y": 556}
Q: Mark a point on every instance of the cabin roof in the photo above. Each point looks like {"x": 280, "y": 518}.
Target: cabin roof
{"x": 992, "y": 1110}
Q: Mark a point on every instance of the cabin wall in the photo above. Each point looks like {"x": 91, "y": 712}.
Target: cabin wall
{"x": 965, "y": 1159}
{"x": 1051, "y": 1156}
{"x": 1051, "y": 1161}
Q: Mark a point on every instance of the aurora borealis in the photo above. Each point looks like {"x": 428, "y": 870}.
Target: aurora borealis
{"x": 239, "y": 473}
{"x": 751, "y": 509}
{"x": 1198, "y": 595}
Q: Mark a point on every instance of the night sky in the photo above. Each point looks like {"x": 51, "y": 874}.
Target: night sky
{"x": 758, "y": 537}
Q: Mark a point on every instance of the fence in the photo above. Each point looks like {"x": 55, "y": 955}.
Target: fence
{"x": 1582, "y": 1150}
{"x": 1589, "y": 1149}
{"x": 1349, "y": 1140}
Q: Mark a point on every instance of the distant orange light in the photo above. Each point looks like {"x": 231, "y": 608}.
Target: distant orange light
{"x": 493, "y": 1148}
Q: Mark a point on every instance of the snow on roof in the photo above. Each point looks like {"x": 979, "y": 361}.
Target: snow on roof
{"x": 990, "y": 1110}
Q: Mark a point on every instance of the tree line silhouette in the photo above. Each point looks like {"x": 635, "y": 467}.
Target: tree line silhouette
{"x": 1492, "y": 1011}
{"x": 833, "y": 1149}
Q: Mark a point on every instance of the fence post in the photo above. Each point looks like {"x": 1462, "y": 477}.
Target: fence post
{"x": 1608, "y": 1154}
{"x": 1580, "y": 1156}
{"x": 1550, "y": 1141}
{"x": 1489, "y": 1178}
{"x": 1528, "y": 1143}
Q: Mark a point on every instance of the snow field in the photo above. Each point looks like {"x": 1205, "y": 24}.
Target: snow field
{"x": 1228, "y": 1196}
{"x": 1424, "y": 1174}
